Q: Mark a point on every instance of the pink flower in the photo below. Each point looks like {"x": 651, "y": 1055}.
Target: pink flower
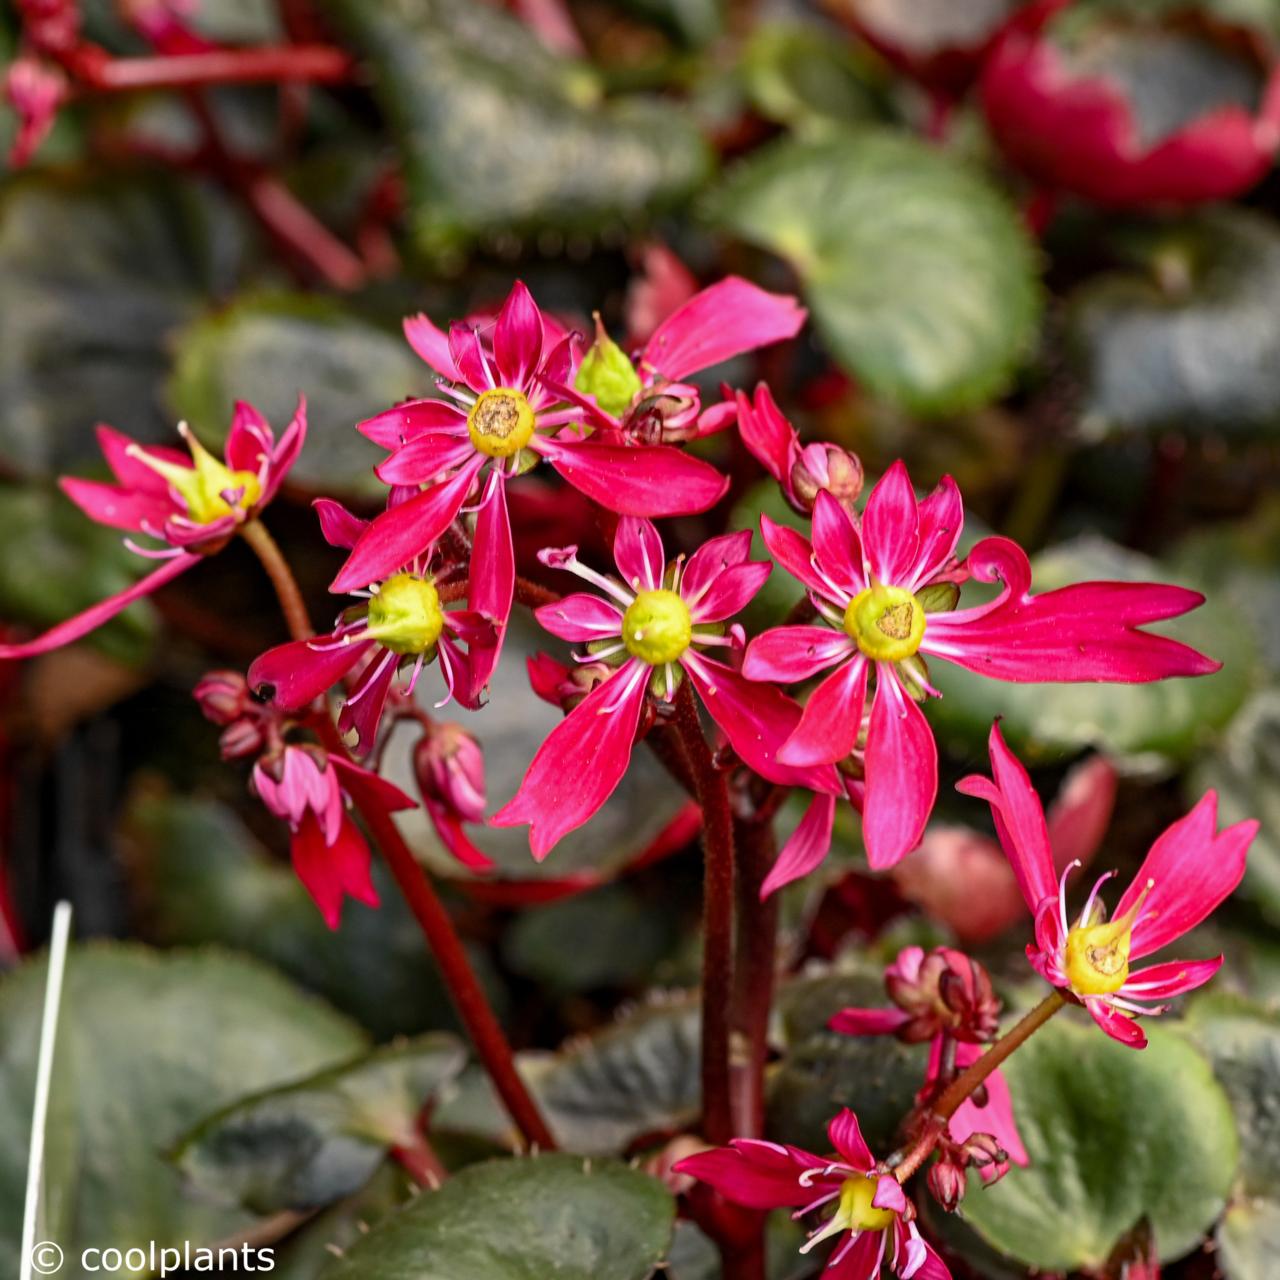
{"x": 800, "y": 470}
{"x": 309, "y": 790}
{"x": 1072, "y": 124}
{"x": 35, "y": 90}
{"x": 506, "y": 408}
{"x": 655, "y": 624}
{"x": 449, "y": 767}
{"x": 885, "y": 587}
{"x": 400, "y": 623}
{"x": 193, "y": 504}
{"x": 871, "y": 1218}
{"x": 1188, "y": 872}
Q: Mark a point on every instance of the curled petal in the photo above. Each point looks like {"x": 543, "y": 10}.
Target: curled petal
{"x": 638, "y": 553}
{"x": 790, "y": 654}
{"x": 337, "y": 525}
{"x": 769, "y": 437}
{"x": 902, "y": 773}
{"x": 580, "y": 618}
{"x": 889, "y": 1194}
{"x": 448, "y": 826}
{"x": 806, "y": 848}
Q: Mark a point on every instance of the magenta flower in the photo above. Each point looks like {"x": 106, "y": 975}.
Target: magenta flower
{"x": 655, "y": 624}
{"x": 36, "y": 91}
{"x": 310, "y": 789}
{"x": 885, "y": 587}
{"x": 1187, "y": 874}
{"x": 871, "y": 1217}
{"x": 1068, "y": 119}
{"x": 449, "y": 766}
{"x": 399, "y": 624}
{"x": 191, "y": 504}
{"x": 505, "y": 408}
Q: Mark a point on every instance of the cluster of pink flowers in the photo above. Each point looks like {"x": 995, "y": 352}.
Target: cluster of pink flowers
{"x": 830, "y": 702}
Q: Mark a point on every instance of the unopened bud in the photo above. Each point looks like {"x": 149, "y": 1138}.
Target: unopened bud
{"x": 983, "y": 1152}
{"x": 449, "y": 765}
{"x": 826, "y": 466}
{"x": 947, "y": 1184}
{"x": 607, "y": 374}
{"x": 240, "y": 739}
{"x": 223, "y": 696}
{"x": 667, "y": 417}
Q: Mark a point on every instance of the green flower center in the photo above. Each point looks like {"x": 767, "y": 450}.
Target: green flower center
{"x": 202, "y": 484}
{"x": 405, "y": 614}
{"x": 1096, "y": 956}
{"x": 501, "y": 422}
{"x": 856, "y": 1212}
{"x": 886, "y": 622}
{"x": 656, "y": 627}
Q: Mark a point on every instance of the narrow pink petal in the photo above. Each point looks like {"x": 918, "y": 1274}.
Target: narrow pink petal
{"x": 362, "y": 715}
{"x": 1116, "y": 1025}
{"x": 293, "y": 675}
{"x": 806, "y": 848}
{"x": 1089, "y": 631}
{"x": 891, "y": 528}
{"x": 868, "y": 1022}
{"x": 448, "y": 826}
{"x": 730, "y": 317}
{"x": 769, "y": 437}
{"x": 638, "y": 553}
{"x": 1191, "y": 868}
{"x": 836, "y": 545}
{"x": 116, "y": 507}
{"x": 649, "y": 480}
{"x": 492, "y": 582}
{"x": 790, "y": 654}
{"x": 117, "y": 448}
{"x": 546, "y": 676}
{"x": 709, "y": 562}
{"x": 432, "y": 344}
{"x": 400, "y": 534}
{"x": 832, "y": 718}
{"x": 332, "y": 873}
{"x": 424, "y": 459}
{"x": 846, "y": 1138}
{"x": 517, "y": 337}
{"x": 368, "y": 789}
{"x": 794, "y": 553}
{"x": 760, "y": 1175}
{"x": 249, "y": 438}
{"x": 469, "y": 357}
{"x": 902, "y": 773}
{"x": 102, "y": 612}
{"x": 941, "y": 523}
{"x": 286, "y": 451}
{"x": 402, "y": 422}
{"x": 580, "y": 618}
{"x": 1173, "y": 978}
{"x": 731, "y": 592}
{"x": 1019, "y": 819}
{"x": 337, "y": 525}
{"x": 580, "y": 763}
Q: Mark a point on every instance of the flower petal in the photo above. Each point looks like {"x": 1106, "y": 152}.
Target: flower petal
{"x": 790, "y": 654}
{"x": 836, "y": 546}
{"x": 846, "y": 1138}
{"x": 638, "y": 553}
{"x": 249, "y": 438}
{"x": 995, "y": 1116}
{"x": 902, "y": 773}
{"x": 891, "y": 529}
{"x": 581, "y": 762}
{"x": 868, "y": 1022}
{"x": 1191, "y": 868}
{"x": 469, "y": 356}
{"x": 941, "y": 517}
{"x": 332, "y": 873}
{"x": 1116, "y": 1025}
{"x": 121, "y": 453}
{"x": 368, "y": 789}
{"x": 491, "y": 584}
{"x": 448, "y": 826}
{"x": 806, "y": 848}
{"x": 769, "y": 437}
{"x": 293, "y": 675}
{"x": 119, "y": 508}
{"x": 649, "y": 480}
{"x": 832, "y": 718}
{"x": 363, "y": 709}
{"x": 889, "y": 1194}
{"x": 1173, "y": 978}
{"x": 580, "y": 618}
{"x": 403, "y": 422}
{"x": 760, "y": 1175}
{"x": 794, "y": 553}
{"x": 337, "y": 525}
{"x": 707, "y": 565}
{"x": 432, "y": 344}
{"x": 1081, "y": 812}
{"x": 517, "y": 337}
{"x": 424, "y": 459}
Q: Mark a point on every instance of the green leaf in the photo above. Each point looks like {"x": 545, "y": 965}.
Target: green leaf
{"x": 307, "y": 1144}
{"x": 502, "y": 137}
{"x": 1151, "y": 724}
{"x": 270, "y": 348}
{"x": 1245, "y": 771}
{"x": 147, "y": 1044}
{"x": 1113, "y": 1134}
{"x": 57, "y": 562}
{"x": 94, "y": 277}
{"x": 530, "y": 1219}
{"x": 1181, "y": 340}
{"x": 921, "y": 278}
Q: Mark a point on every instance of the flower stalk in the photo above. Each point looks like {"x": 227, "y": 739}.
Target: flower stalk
{"x": 272, "y": 559}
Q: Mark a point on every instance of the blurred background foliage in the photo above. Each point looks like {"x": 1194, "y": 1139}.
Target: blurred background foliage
{"x": 1103, "y": 383}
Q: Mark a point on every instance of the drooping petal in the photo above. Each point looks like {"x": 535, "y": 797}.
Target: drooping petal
{"x": 97, "y": 615}
{"x": 491, "y": 584}
{"x": 1019, "y": 820}
{"x": 332, "y": 873}
{"x": 517, "y": 337}
{"x": 769, "y": 437}
{"x": 832, "y": 718}
{"x": 790, "y": 654}
{"x": 902, "y": 773}
{"x": 432, "y": 344}
{"x": 846, "y": 1138}
{"x": 836, "y": 546}
{"x": 293, "y": 675}
{"x": 403, "y": 532}
{"x": 448, "y": 826}
{"x": 1173, "y": 978}
{"x": 580, "y": 763}
{"x": 368, "y": 789}
{"x": 118, "y": 508}
{"x": 868, "y": 1022}
{"x": 1190, "y": 869}
{"x": 424, "y": 459}
{"x": 891, "y": 528}
{"x": 580, "y": 618}
{"x": 649, "y": 480}
{"x": 404, "y": 422}
{"x": 722, "y": 321}
{"x": 1088, "y": 631}
{"x": 338, "y": 526}
{"x": 760, "y": 1175}
{"x": 1116, "y": 1024}
{"x": 995, "y": 1116}
{"x": 808, "y": 845}
{"x": 638, "y": 553}
{"x": 794, "y": 553}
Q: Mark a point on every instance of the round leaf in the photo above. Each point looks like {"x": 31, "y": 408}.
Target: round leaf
{"x": 552, "y": 1215}
{"x": 921, "y": 278}
{"x": 1114, "y": 1134}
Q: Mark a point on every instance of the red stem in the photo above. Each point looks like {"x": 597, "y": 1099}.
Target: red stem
{"x": 321, "y": 64}
{"x": 756, "y": 962}
{"x": 420, "y": 1161}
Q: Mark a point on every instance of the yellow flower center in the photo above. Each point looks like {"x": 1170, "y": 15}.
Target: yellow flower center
{"x": 1096, "y": 956}
{"x": 856, "y": 1212}
{"x": 656, "y": 627}
{"x": 886, "y": 622}
{"x": 501, "y": 422}
{"x": 405, "y": 614}
{"x": 202, "y": 485}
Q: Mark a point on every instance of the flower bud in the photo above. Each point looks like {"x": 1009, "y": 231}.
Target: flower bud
{"x": 669, "y": 416}
{"x": 983, "y": 1152}
{"x": 607, "y": 374}
{"x": 947, "y": 1184}
{"x": 943, "y": 990}
{"x": 449, "y": 766}
{"x": 826, "y": 466}
{"x": 223, "y": 696}
{"x": 241, "y": 738}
